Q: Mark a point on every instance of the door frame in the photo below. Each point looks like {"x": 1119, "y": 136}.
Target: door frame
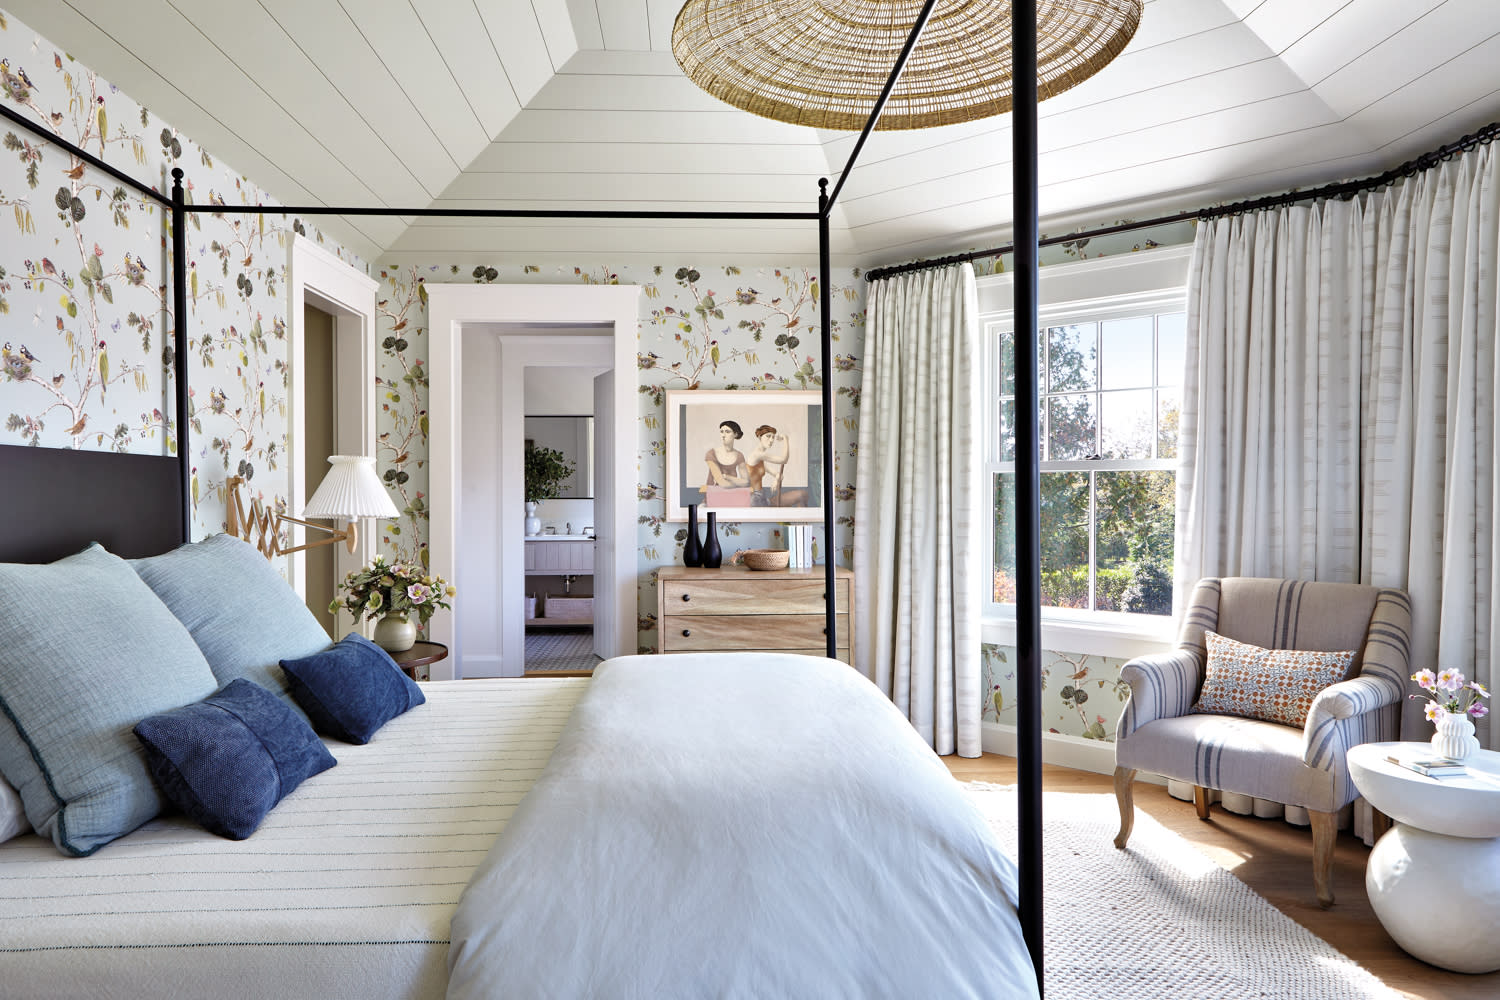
{"x": 481, "y": 307}
{"x": 319, "y": 278}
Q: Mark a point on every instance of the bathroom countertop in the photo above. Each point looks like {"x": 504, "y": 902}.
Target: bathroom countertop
{"x": 560, "y": 538}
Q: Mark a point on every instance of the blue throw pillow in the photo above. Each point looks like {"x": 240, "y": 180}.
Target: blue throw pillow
{"x": 352, "y": 689}
{"x": 240, "y": 611}
{"x": 86, "y": 649}
{"x": 228, "y": 759}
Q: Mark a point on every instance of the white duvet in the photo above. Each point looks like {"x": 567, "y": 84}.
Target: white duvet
{"x": 740, "y": 825}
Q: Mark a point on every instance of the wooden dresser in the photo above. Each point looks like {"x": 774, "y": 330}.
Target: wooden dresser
{"x": 734, "y": 608}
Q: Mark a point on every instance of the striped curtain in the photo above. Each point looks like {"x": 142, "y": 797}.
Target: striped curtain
{"x": 919, "y": 513}
{"x": 1339, "y": 421}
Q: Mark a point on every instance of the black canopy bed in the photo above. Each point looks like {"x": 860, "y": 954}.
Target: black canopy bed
{"x": 139, "y": 507}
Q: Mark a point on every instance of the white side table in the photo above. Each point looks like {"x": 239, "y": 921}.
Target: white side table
{"x": 1434, "y": 878}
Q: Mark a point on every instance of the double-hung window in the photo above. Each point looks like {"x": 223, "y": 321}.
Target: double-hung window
{"x": 1110, "y": 371}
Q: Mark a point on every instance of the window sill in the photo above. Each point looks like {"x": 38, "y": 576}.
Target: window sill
{"x": 1101, "y": 637}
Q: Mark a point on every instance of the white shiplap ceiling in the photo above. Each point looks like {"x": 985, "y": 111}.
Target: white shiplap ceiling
{"x": 579, "y": 104}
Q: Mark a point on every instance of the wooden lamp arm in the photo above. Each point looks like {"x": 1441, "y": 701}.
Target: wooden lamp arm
{"x": 262, "y": 528}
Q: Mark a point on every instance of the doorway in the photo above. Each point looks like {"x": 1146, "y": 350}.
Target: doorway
{"x": 482, "y": 339}
{"x": 331, "y": 347}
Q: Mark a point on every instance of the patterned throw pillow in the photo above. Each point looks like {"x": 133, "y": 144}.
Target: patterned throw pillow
{"x": 1276, "y": 685}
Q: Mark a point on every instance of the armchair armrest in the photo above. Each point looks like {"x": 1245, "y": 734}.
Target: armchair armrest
{"x": 1162, "y": 686}
{"x": 1347, "y": 714}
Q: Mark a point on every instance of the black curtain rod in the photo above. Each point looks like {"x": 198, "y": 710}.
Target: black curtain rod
{"x": 1339, "y": 189}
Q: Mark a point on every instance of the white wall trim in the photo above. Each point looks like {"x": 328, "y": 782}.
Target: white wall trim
{"x": 450, "y": 307}
{"x": 318, "y": 277}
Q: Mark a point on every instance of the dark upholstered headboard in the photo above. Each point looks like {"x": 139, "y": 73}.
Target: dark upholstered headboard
{"x": 55, "y": 501}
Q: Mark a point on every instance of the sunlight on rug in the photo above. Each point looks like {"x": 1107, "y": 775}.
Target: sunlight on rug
{"x": 1159, "y": 919}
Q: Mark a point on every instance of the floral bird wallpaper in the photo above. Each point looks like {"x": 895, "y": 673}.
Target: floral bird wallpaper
{"x": 86, "y": 326}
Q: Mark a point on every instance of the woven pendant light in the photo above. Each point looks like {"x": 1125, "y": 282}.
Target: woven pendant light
{"x": 824, "y": 63}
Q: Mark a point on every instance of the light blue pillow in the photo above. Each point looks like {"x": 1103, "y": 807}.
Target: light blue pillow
{"x": 86, "y": 651}
{"x": 241, "y": 613}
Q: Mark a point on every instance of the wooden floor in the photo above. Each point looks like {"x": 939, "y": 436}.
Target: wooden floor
{"x": 1275, "y": 859}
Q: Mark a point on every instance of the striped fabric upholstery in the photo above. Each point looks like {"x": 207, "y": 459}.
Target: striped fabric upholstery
{"x": 1158, "y": 734}
{"x": 346, "y": 890}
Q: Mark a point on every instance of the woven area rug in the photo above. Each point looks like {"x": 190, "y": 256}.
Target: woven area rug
{"x": 1159, "y": 919}
{"x": 561, "y": 649}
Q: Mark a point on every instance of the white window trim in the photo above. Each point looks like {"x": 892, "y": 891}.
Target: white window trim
{"x": 1125, "y": 284}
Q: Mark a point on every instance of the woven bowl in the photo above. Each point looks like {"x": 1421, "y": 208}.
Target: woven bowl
{"x": 766, "y": 558}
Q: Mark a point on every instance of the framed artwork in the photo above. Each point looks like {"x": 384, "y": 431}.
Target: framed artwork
{"x": 750, "y": 456}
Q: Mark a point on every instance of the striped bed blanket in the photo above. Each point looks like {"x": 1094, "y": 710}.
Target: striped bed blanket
{"x": 347, "y": 890}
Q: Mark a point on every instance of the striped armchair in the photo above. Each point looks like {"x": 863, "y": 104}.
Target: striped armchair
{"x": 1160, "y": 734}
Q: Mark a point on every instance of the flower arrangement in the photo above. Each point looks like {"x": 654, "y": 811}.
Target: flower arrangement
{"x": 1449, "y": 694}
{"x": 383, "y": 588}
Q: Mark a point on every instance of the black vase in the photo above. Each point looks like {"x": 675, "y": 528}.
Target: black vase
{"x": 712, "y": 554}
{"x": 692, "y": 553}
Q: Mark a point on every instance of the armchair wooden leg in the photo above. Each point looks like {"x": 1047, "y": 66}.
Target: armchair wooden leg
{"x": 1325, "y": 831}
{"x": 1124, "y": 790}
{"x": 1200, "y": 801}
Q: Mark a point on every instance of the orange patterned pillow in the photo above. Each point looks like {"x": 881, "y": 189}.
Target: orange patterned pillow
{"x": 1277, "y": 685}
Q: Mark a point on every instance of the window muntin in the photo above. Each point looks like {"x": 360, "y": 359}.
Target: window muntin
{"x": 1108, "y": 422}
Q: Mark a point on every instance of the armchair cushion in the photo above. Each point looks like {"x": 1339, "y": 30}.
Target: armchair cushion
{"x": 1273, "y": 685}
{"x": 1261, "y": 759}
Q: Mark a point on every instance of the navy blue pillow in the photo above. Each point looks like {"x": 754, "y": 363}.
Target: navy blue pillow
{"x": 228, "y": 759}
{"x": 351, "y": 689}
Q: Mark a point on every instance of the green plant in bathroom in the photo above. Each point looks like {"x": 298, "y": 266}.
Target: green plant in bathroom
{"x": 546, "y": 469}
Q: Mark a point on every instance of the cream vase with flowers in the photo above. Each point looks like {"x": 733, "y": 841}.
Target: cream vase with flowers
{"x": 394, "y": 593}
{"x": 1452, "y": 703}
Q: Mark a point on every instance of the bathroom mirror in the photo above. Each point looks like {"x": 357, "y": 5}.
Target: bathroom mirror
{"x": 574, "y": 437}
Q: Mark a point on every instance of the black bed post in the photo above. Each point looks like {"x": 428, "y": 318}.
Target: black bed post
{"x": 825, "y": 315}
{"x": 1028, "y": 481}
{"x": 180, "y": 347}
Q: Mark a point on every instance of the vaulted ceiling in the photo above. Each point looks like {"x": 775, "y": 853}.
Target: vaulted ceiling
{"x": 579, "y": 104}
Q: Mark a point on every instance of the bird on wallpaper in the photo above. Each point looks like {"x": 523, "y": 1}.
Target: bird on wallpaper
{"x": 48, "y": 268}
{"x": 14, "y": 88}
{"x": 135, "y": 269}
{"x": 27, "y": 354}
{"x": 21, "y": 72}
{"x": 15, "y": 366}
{"x": 217, "y": 399}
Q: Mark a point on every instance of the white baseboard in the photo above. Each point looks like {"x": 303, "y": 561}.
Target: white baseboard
{"x": 1094, "y": 756}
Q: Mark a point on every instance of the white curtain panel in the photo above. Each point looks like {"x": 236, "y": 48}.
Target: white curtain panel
{"x": 919, "y": 512}
{"x": 1339, "y": 420}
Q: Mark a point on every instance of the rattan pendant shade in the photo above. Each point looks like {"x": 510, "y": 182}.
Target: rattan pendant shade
{"x": 823, "y": 62}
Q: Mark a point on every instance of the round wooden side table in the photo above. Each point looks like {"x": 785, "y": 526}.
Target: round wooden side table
{"x": 1434, "y": 877}
{"x": 420, "y": 655}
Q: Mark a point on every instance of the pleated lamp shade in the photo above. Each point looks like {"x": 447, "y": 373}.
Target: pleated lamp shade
{"x": 350, "y": 491}
{"x": 823, "y": 63}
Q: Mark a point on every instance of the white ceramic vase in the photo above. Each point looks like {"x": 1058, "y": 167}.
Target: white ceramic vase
{"x": 394, "y": 634}
{"x": 533, "y": 523}
{"x": 1454, "y": 737}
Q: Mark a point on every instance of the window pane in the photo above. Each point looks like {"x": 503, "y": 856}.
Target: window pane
{"x": 1126, "y": 423}
{"x": 1072, "y": 358}
{"x": 1072, "y": 427}
{"x": 1007, "y": 430}
{"x": 1171, "y": 338}
{"x": 1007, "y": 351}
{"x": 1134, "y": 521}
{"x": 1125, "y": 358}
{"x": 1168, "y": 415}
{"x": 1064, "y": 539}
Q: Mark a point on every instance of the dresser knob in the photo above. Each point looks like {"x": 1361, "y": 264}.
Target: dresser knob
{"x": 687, "y": 597}
{"x": 686, "y": 633}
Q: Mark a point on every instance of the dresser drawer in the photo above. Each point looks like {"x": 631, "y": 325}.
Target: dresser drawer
{"x": 683, "y": 633}
{"x": 748, "y": 596}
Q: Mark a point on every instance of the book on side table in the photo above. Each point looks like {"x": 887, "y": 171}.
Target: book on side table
{"x": 1432, "y": 767}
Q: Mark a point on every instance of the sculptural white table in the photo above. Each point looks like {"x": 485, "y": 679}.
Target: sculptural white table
{"x": 1434, "y": 878}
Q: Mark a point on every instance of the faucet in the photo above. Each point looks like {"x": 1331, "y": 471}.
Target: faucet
{"x": 570, "y": 528}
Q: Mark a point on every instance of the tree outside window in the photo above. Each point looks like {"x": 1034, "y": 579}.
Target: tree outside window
{"x": 1110, "y": 396}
